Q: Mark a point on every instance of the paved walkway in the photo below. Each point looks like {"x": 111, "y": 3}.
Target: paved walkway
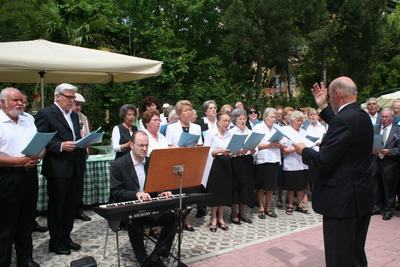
{"x": 305, "y": 248}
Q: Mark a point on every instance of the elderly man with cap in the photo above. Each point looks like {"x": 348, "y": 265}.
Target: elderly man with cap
{"x": 85, "y": 130}
{"x": 62, "y": 166}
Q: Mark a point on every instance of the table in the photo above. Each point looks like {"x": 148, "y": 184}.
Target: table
{"x": 96, "y": 188}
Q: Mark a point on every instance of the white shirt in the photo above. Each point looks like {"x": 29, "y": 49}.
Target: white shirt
{"x": 67, "y": 116}
{"x": 317, "y": 130}
{"x": 271, "y": 155}
{"x": 211, "y": 126}
{"x": 115, "y": 137}
{"x": 14, "y": 137}
{"x": 373, "y": 118}
{"x": 159, "y": 143}
{"x": 139, "y": 168}
{"x": 293, "y": 161}
{"x": 174, "y": 132}
{"x": 389, "y": 128}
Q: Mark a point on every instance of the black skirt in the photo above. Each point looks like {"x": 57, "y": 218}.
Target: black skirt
{"x": 243, "y": 187}
{"x": 266, "y": 176}
{"x": 294, "y": 180}
{"x": 220, "y": 182}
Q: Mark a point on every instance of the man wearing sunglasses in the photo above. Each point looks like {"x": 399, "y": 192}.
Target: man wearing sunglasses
{"x": 63, "y": 165}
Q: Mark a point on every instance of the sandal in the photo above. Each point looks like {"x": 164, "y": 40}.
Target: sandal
{"x": 302, "y": 210}
{"x": 261, "y": 215}
{"x": 289, "y": 210}
{"x": 271, "y": 214}
{"x": 213, "y": 228}
{"x": 223, "y": 226}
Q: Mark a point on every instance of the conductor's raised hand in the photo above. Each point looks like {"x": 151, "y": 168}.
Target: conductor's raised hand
{"x": 320, "y": 95}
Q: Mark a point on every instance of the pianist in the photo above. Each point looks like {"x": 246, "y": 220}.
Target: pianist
{"x": 128, "y": 177}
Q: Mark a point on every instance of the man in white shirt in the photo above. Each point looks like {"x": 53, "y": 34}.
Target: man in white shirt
{"x": 18, "y": 180}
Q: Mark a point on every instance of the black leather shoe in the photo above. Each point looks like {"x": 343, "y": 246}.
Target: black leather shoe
{"x": 60, "y": 250}
{"x": 153, "y": 261}
{"x": 72, "y": 245}
{"x": 82, "y": 216}
{"x": 244, "y": 219}
{"x": 375, "y": 211}
{"x": 387, "y": 216}
{"x": 38, "y": 228}
{"x": 30, "y": 263}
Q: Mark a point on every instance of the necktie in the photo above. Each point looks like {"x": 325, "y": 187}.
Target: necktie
{"x": 384, "y": 135}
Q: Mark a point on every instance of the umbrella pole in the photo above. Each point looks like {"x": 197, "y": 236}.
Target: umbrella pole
{"x": 41, "y": 73}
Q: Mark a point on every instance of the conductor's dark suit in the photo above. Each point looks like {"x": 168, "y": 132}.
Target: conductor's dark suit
{"x": 386, "y": 179}
{"x": 124, "y": 185}
{"x": 61, "y": 169}
{"x": 342, "y": 190}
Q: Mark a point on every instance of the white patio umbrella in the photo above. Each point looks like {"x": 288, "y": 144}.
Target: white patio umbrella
{"x": 31, "y": 61}
{"x": 386, "y": 101}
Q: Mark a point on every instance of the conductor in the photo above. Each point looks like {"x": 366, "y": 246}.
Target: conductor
{"x": 128, "y": 177}
{"x": 342, "y": 190}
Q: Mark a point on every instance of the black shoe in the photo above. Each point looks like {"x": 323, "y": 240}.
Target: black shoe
{"x": 38, "y": 228}
{"x": 244, "y": 219}
{"x": 30, "y": 263}
{"x": 201, "y": 212}
{"x": 59, "y": 250}
{"x": 72, "y": 245}
{"x": 188, "y": 228}
{"x": 237, "y": 221}
{"x": 153, "y": 261}
{"x": 375, "y": 211}
{"x": 82, "y": 216}
{"x": 387, "y": 216}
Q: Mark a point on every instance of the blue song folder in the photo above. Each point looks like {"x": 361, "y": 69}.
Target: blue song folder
{"x": 37, "y": 144}
{"x": 188, "y": 140}
{"x": 312, "y": 138}
{"x": 276, "y": 137}
{"x": 253, "y": 141}
{"x": 92, "y": 138}
{"x": 236, "y": 143}
{"x": 378, "y": 143}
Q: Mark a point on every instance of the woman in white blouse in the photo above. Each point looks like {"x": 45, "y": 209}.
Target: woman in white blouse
{"x": 122, "y": 133}
{"x": 267, "y": 160}
{"x": 293, "y": 167}
{"x": 242, "y": 167}
{"x": 220, "y": 177}
{"x": 151, "y": 122}
{"x": 183, "y": 109}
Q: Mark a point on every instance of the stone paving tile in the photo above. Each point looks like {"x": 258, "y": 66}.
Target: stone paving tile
{"x": 195, "y": 246}
{"x": 305, "y": 248}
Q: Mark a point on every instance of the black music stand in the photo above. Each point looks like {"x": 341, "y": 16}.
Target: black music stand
{"x": 176, "y": 168}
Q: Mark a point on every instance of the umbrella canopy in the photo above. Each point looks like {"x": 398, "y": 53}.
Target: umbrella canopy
{"x": 386, "y": 101}
{"x": 29, "y": 61}
{"x": 21, "y": 62}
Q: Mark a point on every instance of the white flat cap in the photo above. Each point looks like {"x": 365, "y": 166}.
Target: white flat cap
{"x": 79, "y": 98}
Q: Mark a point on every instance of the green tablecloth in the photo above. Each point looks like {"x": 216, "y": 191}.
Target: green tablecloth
{"x": 96, "y": 187}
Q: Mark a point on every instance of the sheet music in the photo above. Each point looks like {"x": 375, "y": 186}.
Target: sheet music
{"x": 236, "y": 143}
{"x": 92, "y": 138}
{"x": 293, "y": 135}
{"x": 253, "y": 141}
{"x": 188, "y": 140}
{"x": 38, "y": 143}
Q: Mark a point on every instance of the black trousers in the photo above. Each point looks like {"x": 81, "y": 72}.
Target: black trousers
{"x": 344, "y": 240}
{"x": 79, "y": 195}
{"x": 61, "y": 208}
{"x": 385, "y": 185}
{"x": 135, "y": 227}
{"x": 18, "y": 197}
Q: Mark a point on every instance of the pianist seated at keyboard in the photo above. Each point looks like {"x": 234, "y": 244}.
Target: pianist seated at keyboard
{"x": 128, "y": 176}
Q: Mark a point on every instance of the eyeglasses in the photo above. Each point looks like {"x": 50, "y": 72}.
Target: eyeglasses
{"x": 252, "y": 112}
{"x": 70, "y": 97}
